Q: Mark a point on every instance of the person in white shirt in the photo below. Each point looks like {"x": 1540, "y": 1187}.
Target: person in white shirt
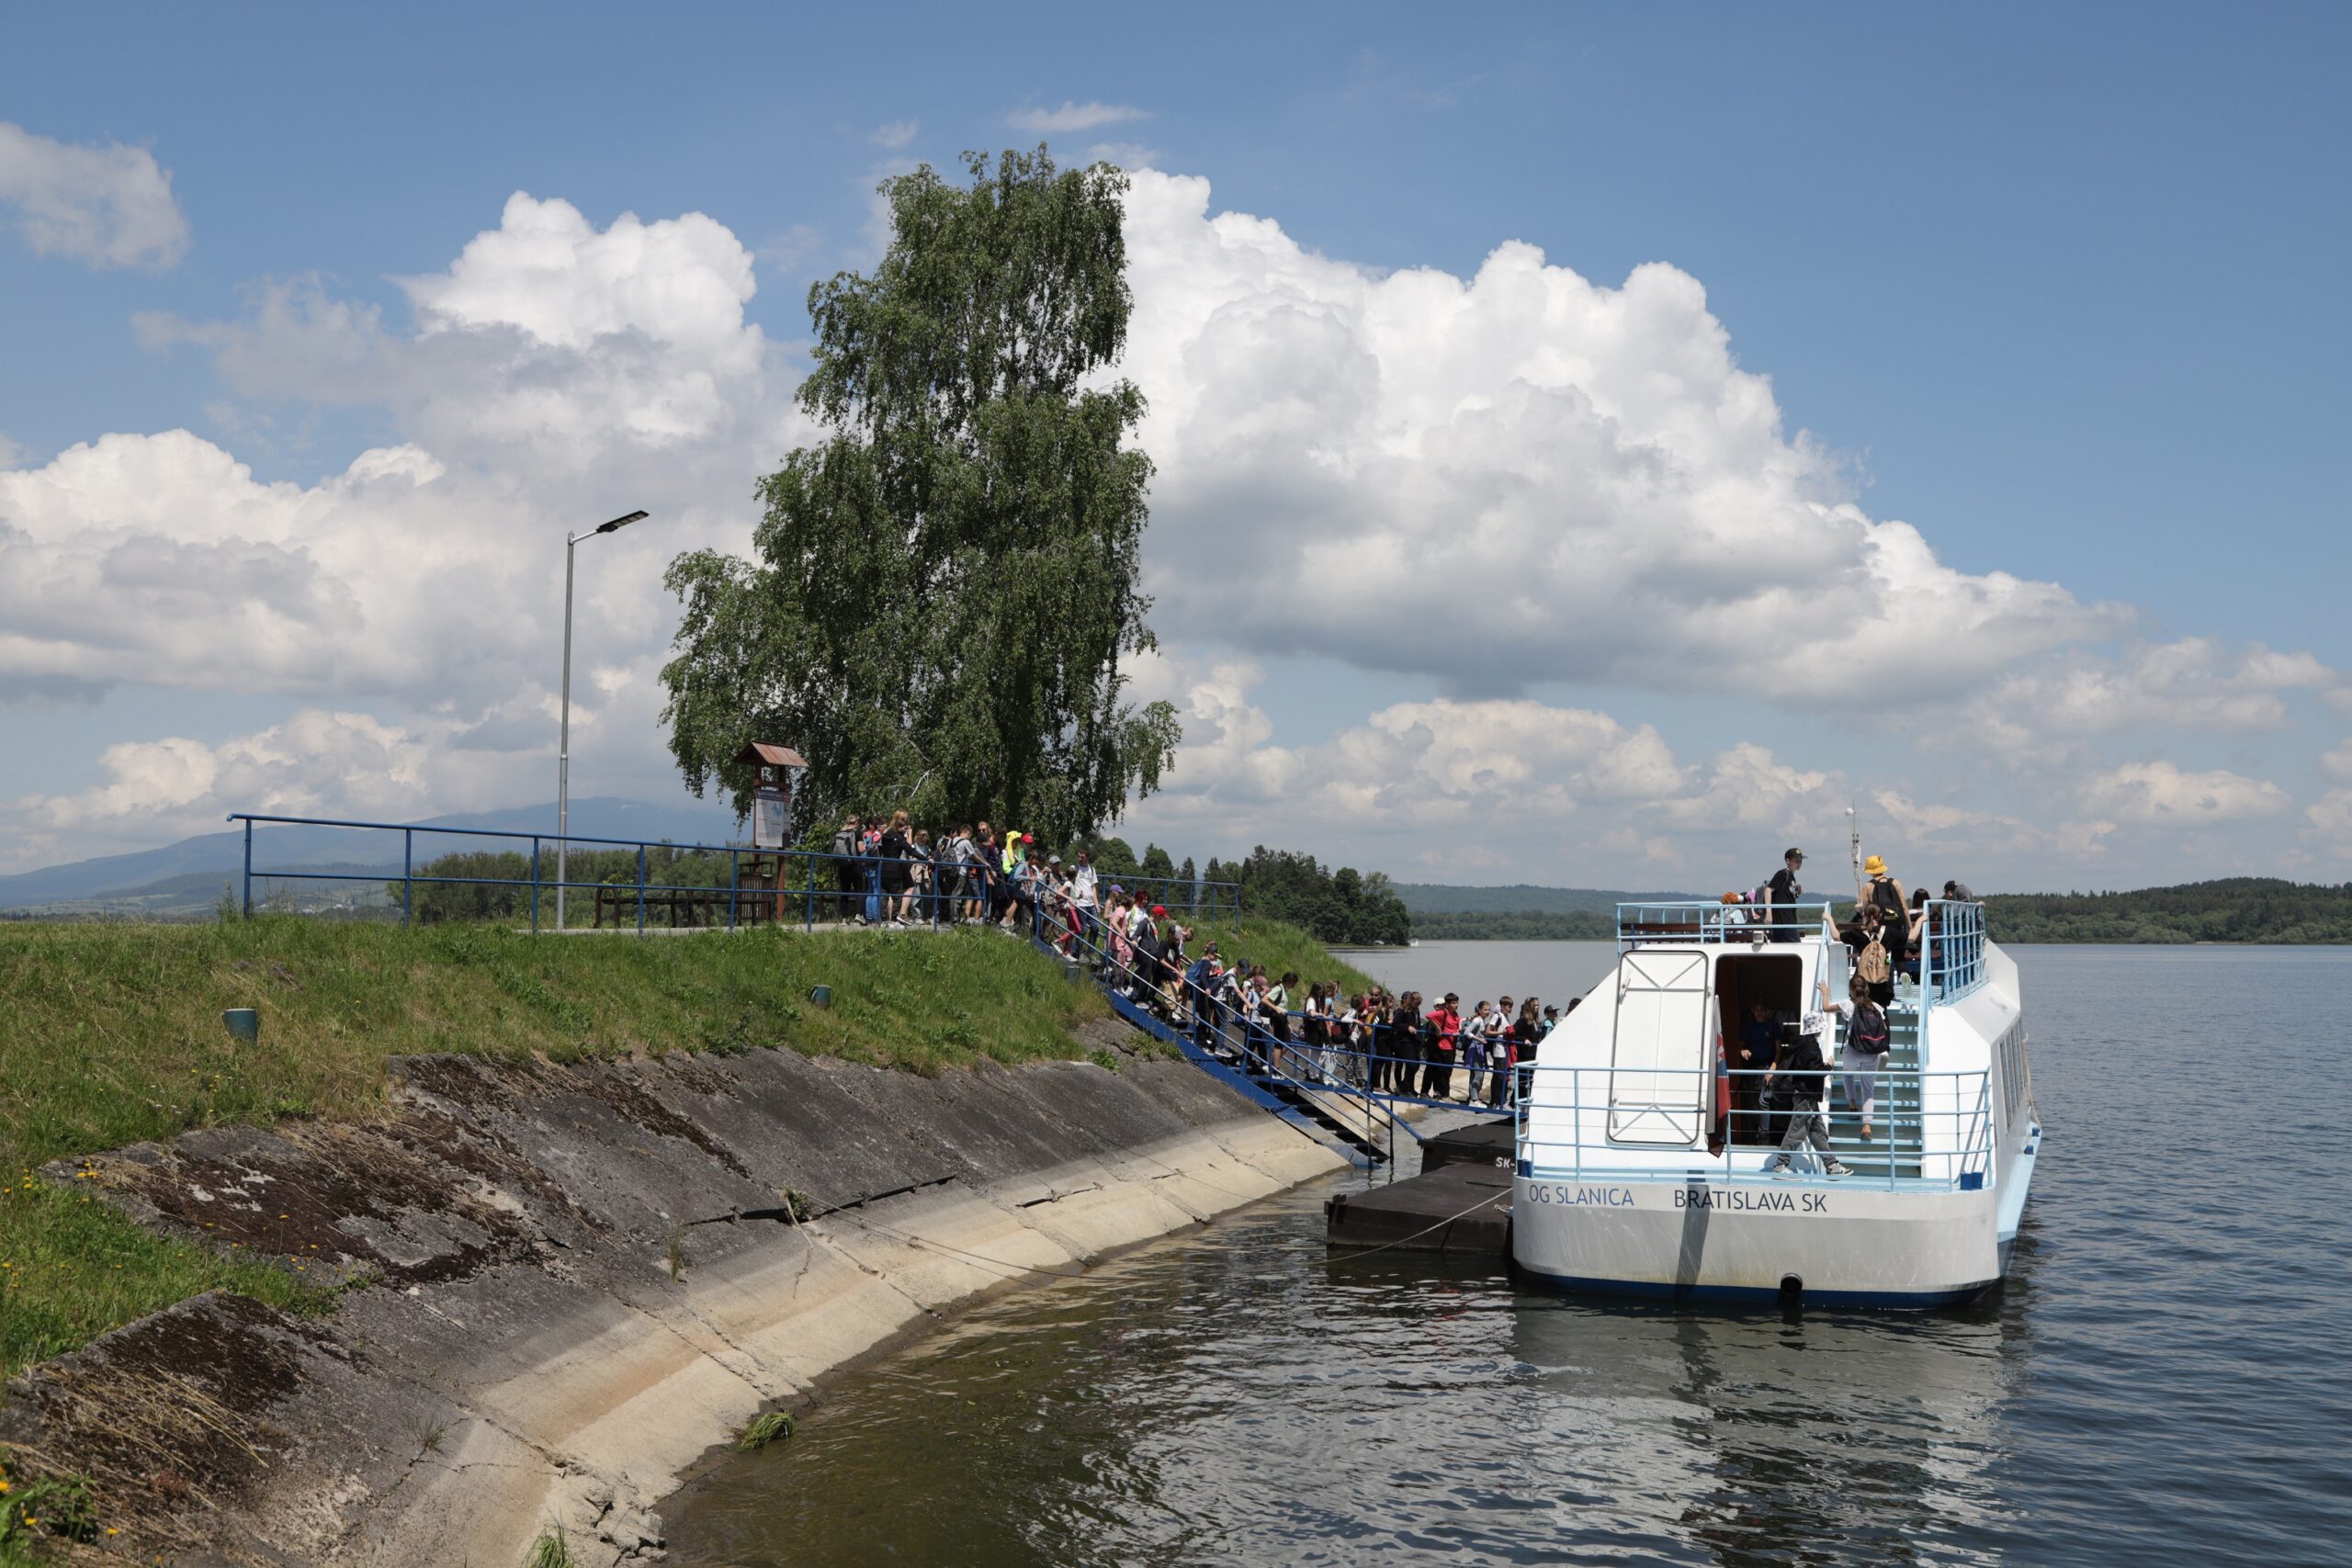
{"x": 1475, "y": 1031}
{"x": 1083, "y": 889}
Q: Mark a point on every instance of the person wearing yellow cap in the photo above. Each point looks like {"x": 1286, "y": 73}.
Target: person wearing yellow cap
{"x": 1886, "y": 892}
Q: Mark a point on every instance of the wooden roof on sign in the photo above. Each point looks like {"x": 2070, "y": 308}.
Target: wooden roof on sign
{"x": 774, "y": 756}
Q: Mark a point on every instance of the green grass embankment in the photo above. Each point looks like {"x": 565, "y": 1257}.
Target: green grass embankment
{"x": 113, "y": 1036}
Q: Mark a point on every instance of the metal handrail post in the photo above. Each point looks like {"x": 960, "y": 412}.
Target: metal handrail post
{"x": 640, "y": 889}
{"x": 1576, "y": 1098}
{"x": 811, "y": 860}
{"x": 535, "y": 884}
{"x": 408, "y": 872}
{"x": 248, "y": 898}
{"x": 734, "y": 877}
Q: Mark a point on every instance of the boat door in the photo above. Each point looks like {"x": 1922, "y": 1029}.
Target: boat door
{"x": 1658, "y": 1059}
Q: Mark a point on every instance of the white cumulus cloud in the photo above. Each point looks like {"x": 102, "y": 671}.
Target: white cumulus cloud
{"x": 1501, "y": 481}
{"x": 107, "y": 206}
{"x": 2161, "y": 794}
{"x": 555, "y": 375}
{"x": 1588, "y": 464}
{"x": 1092, "y": 115}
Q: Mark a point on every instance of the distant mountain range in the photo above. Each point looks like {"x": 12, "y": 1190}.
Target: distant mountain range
{"x": 164, "y": 880}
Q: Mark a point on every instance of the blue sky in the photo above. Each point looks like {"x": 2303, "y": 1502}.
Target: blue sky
{"x": 2054, "y": 288}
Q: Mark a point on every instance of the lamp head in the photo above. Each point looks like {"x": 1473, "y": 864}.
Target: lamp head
{"x": 619, "y": 522}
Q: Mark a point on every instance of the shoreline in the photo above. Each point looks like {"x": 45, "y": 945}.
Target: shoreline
{"x": 587, "y": 1278}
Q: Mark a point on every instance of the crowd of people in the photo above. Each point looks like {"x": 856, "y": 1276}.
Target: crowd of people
{"x": 1373, "y": 1039}
{"x": 1888, "y": 933}
{"x": 1778, "y": 1070}
{"x": 888, "y": 872}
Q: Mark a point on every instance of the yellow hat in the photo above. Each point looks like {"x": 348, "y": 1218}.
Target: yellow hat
{"x": 1874, "y": 866}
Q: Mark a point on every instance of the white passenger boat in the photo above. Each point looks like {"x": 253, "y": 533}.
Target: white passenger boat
{"x": 1630, "y": 1181}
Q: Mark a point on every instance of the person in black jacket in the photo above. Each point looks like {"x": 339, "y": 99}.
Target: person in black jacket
{"x": 1759, "y": 1046}
{"x": 1799, "y": 1075}
{"x": 1784, "y": 890}
{"x": 849, "y": 876}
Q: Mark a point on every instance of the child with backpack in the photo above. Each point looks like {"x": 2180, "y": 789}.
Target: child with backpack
{"x": 1796, "y": 1080}
{"x": 1868, "y": 1038}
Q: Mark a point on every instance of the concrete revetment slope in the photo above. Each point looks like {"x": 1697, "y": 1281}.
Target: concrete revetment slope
{"x": 521, "y": 1355}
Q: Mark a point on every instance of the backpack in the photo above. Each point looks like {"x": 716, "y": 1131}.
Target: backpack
{"x": 1873, "y": 965}
{"x": 1868, "y": 1034}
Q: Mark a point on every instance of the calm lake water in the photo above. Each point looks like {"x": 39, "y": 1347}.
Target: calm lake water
{"x": 2167, "y": 1377}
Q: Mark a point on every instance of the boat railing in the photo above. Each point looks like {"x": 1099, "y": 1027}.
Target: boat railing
{"x": 1932, "y": 1130}
{"x": 1707, "y": 920}
{"x": 1951, "y": 938}
{"x": 1952, "y": 955}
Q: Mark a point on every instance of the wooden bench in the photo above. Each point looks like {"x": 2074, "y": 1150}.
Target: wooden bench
{"x": 695, "y": 907}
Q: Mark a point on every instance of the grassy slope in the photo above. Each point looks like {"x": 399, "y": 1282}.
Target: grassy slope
{"x": 114, "y": 1036}
{"x": 1284, "y": 949}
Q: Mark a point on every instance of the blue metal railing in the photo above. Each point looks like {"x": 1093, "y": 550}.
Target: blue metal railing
{"x": 1939, "y": 1123}
{"x": 1952, "y": 941}
{"x": 1362, "y": 1068}
{"x": 856, "y": 879}
{"x": 1710, "y": 922}
{"x": 1951, "y": 935}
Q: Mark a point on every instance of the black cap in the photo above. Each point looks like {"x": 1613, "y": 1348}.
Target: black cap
{"x": 1792, "y": 852}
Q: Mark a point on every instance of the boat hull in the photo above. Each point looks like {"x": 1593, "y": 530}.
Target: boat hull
{"x": 1825, "y": 1241}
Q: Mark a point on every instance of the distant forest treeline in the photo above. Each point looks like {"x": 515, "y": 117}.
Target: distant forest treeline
{"x": 2236, "y": 910}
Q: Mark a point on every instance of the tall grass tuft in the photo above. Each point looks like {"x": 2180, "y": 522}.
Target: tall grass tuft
{"x": 765, "y": 1430}
{"x": 549, "y": 1550}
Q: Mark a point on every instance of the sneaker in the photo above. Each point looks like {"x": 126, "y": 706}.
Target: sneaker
{"x": 1839, "y": 1167}
{"x": 1783, "y": 1171}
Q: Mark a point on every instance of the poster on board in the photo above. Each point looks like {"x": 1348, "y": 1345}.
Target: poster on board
{"x": 770, "y": 808}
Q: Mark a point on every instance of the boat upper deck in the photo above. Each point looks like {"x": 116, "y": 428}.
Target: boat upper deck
{"x": 1951, "y": 944}
{"x": 1642, "y": 1086}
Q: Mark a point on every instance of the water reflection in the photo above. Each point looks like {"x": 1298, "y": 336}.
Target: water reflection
{"x": 1247, "y": 1398}
{"x": 2163, "y": 1378}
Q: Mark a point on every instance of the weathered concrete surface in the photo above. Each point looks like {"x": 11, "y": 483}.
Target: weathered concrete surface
{"x": 522, "y": 1355}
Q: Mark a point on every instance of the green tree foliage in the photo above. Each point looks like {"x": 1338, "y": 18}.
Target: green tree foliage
{"x": 1112, "y": 858}
{"x": 1345, "y": 906}
{"x": 1156, "y": 862}
{"x": 946, "y": 585}
{"x": 2238, "y": 908}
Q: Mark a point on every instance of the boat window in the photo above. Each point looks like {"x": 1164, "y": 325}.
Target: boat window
{"x": 1662, "y": 1055}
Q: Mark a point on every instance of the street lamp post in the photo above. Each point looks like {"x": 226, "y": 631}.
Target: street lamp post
{"x": 563, "y": 733}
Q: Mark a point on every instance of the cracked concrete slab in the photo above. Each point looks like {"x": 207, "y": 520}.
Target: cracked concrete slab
{"x": 582, "y": 1276}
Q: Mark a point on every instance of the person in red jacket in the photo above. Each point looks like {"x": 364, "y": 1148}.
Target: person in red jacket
{"x": 1445, "y": 1038}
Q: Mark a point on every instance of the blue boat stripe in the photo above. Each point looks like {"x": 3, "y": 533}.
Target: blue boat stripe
{"x": 1760, "y": 1296}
